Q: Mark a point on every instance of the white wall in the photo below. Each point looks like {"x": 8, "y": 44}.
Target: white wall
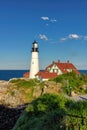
{"x": 34, "y": 66}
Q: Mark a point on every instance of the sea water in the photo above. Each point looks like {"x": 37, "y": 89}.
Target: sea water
{"x": 8, "y": 74}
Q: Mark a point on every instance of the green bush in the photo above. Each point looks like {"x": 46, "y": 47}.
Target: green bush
{"x": 52, "y": 111}
{"x": 72, "y": 81}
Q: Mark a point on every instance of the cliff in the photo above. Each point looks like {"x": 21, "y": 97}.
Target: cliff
{"x": 16, "y": 94}
{"x": 18, "y": 91}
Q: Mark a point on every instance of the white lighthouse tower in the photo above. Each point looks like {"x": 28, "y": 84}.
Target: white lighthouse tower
{"x": 34, "y": 66}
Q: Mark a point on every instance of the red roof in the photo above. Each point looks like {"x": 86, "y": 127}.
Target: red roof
{"x": 26, "y": 75}
{"x": 46, "y": 74}
{"x": 64, "y": 67}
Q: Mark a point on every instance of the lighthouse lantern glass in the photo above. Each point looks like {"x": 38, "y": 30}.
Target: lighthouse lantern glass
{"x": 35, "y": 45}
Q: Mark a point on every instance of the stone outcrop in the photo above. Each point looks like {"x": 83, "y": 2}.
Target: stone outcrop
{"x": 12, "y": 97}
{"x": 9, "y": 95}
{"x": 13, "y": 100}
{"x": 48, "y": 87}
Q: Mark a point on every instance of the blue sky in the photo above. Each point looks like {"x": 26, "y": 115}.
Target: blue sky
{"x": 59, "y": 27}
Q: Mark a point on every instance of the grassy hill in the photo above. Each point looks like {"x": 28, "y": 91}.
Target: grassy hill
{"x": 48, "y": 107}
{"x": 53, "y": 112}
{"x": 65, "y": 84}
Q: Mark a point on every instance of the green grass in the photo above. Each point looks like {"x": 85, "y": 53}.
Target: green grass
{"x": 24, "y": 83}
{"x": 50, "y": 111}
{"x": 25, "y": 87}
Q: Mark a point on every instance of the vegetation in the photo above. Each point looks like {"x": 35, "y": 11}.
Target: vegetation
{"x": 69, "y": 82}
{"x": 53, "y": 112}
{"x": 24, "y": 83}
{"x": 72, "y": 82}
{"x": 25, "y": 87}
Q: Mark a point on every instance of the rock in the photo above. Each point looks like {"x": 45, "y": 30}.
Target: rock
{"x": 73, "y": 94}
{"x": 13, "y": 99}
{"x": 48, "y": 87}
{"x": 9, "y": 95}
{"x": 37, "y": 91}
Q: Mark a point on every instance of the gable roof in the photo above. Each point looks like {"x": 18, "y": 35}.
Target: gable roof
{"x": 64, "y": 67}
{"x": 46, "y": 75}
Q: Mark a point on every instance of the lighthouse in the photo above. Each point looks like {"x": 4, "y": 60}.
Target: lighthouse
{"x": 34, "y": 66}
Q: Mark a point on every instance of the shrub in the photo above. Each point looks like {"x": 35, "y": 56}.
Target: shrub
{"x": 52, "y": 111}
{"x": 72, "y": 81}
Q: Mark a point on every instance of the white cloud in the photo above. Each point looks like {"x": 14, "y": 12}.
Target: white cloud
{"x": 45, "y": 18}
{"x": 73, "y": 36}
{"x": 85, "y": 37}
{"x": 70, "y": 37}
{"x": 43, "y": 37}
{"x": 63, "y": 39}
{"x": 53, "y": 20}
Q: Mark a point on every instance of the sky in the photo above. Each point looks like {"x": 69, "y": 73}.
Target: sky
{"x": 59, "y": 27}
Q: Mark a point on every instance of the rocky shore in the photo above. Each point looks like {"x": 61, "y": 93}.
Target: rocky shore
{"x": 10, "y": 110}
{"x": 14, "y": 99}
{"x": 9, "y": 116}
{"x": 9, "y": 95}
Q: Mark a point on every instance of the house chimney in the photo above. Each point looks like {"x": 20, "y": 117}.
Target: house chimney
{"x": 67, "y": 61}
{"x": 58, "y": 61}
{"x": 53, "y": 62}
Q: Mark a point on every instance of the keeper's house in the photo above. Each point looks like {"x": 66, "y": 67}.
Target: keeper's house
{"x": 55, "y": 69}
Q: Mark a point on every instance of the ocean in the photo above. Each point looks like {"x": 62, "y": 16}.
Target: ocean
{"x": 83, "y": 71}
{"x": 8, "y": 74}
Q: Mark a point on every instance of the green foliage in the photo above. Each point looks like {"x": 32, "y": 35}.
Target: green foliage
{"x": 52, "y": 111}
{"x": 24, "y": 83}
{"x": 42, "y": 113}
{"x": 59, "y": 79}
{"x": 72, "y": 81}
{"x": 41, "y": 84}
{"x": 48, "y": 102}
{"x": 25, "y": 87}
{"x": 79, "y": 108}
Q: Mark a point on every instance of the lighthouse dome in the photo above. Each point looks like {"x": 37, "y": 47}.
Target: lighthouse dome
{"x": 35, "y": 47}
{"x": 35, "y": 44}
